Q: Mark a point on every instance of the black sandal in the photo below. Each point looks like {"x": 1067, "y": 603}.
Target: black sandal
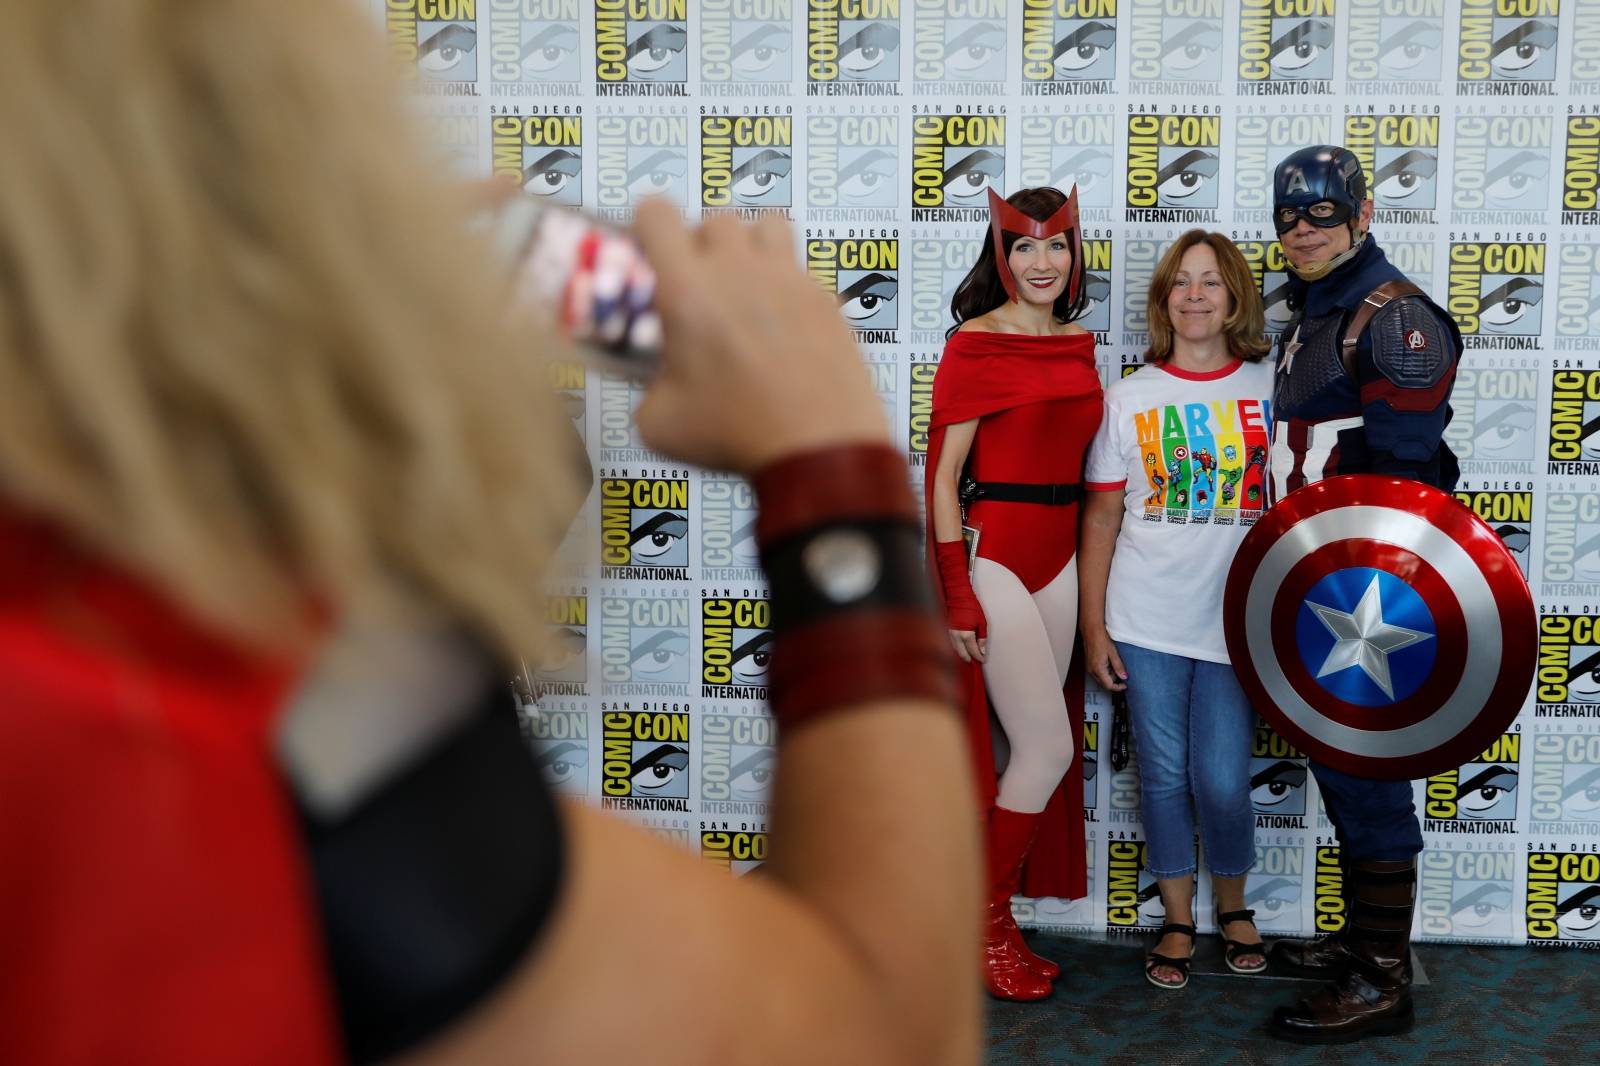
{"x": 1232, "y": 949}
{"x": 1155, "y": 958}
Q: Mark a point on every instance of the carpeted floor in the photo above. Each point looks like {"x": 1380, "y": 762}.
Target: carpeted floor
{"x": 1481, "y": 1006}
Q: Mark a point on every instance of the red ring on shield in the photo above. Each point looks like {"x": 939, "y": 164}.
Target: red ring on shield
{"x": 1480, "y": 688}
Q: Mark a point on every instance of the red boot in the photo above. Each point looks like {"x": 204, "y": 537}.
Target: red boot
{"x": 1011, "y": 971}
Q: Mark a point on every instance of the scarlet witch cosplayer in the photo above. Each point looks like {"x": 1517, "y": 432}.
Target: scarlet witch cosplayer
{"x": 1016, "y": 402}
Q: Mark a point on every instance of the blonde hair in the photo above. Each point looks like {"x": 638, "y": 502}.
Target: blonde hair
{"x": 246, "y": 346}
{"x": 1246, "y": 324}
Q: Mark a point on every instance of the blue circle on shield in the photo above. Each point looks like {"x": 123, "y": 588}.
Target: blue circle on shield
{"x": 1366, "y": 636}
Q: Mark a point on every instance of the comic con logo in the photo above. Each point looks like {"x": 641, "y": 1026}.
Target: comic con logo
{"x": 541, "y": 153}
{"x": 639, "y": 156}
{"x": 533, "y": 41}
{"x": 1502, "y": 163}
{"x": 644, "y": 527}
{"x": 1507, "y": 41}
{"x": 1270, "y": 269}
{"x": 1277, "y": 781}
{"x": 1395, "y": 40}
{"x": 746, "y": 41}
{"x": 644, "y": 644}
{"x": 1133, "y": 899}
{"x": 852, "y": 161}
{"x": 920, "y": 416}
{"x": 937, "y": 266}
{"x": 1259, "y": 142}
{"x": 1327, "y": 889}
{"x": 739, "y": 851}
{"x": 1400, "y": 154}
{"x": 563, "y": 664}
{"x": 560, "y": 742}
{"x": 745, "y": 161}
{"x": 1480, "y": 797}
{"x": 1575, "y": 423}
{"x": 1578, "y": 298}
{"x": 1509, "y": 513}
{"x": 1466, "y": 895}
{"x": 955, "y": 161}
{"x": 1496, "y": 293}
{"x": 728, "y": 529}
{"x": 1068, "y": 41}
{"x": 1066, "y": 151}
{"x": 959, "y": 40}
{"x": 645, "y": 756}
{"x": 735, "y": 647}
{"x": 1563, "y": 905}
{"x": 1284, "y": 41}
{"x": 641, "y": 40}
{"x": 1175, "y": 40}
{"x": 1275, "y": 884}
{"x": 1096, "y": 316}
{"x": 1173, "y": 164}
{"x": 1580, "y": 171}
{"x": 1566, "y": 784}
{"x": 436, "y": 39}
{"x": 852, "y": 41}
{"x": 738, "y": 759}
{"x": 864, "y": 276}
{"x": 1571, "y": 564}
{"x": 1568, "y": 681}
{"x": 1138, "y": 267}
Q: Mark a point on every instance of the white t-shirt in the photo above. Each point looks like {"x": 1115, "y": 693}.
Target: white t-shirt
{"x": 1190, "y": 452}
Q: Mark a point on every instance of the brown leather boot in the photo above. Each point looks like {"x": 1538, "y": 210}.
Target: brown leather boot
{"x": 1009, "y": 969}
{"x": 1322, "y": 956}
{"x": 1371, "y": 996}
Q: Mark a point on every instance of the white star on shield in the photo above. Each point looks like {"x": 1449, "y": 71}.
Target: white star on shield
{"x": 1362, "y": 638}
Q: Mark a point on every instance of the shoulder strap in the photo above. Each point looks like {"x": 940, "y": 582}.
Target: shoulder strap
{"x": 1376, "y": 301}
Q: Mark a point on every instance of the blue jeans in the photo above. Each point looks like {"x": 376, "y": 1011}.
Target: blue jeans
{"x": 1193, "y": 727}
{"x": 1374, "y": 819}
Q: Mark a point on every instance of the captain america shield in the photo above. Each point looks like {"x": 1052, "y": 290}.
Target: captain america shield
{"x": 1380, "y": 626}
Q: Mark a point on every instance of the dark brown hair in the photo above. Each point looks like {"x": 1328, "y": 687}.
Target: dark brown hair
{"x": 981, "y": 291}
{"x": 1246, "y": 324}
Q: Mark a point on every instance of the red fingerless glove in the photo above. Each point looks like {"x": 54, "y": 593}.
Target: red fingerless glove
{"x": 961, "y": 607}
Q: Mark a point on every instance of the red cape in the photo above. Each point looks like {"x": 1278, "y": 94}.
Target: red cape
{"x": 982, "y": 374}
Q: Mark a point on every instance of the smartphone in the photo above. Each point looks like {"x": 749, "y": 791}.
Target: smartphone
{"x": 588, "y": 275}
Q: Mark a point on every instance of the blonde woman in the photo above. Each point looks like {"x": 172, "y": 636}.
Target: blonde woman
{"x": 277, "y": 476}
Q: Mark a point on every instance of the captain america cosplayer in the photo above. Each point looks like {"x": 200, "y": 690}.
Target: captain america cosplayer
{"x": 1364, "y": 373}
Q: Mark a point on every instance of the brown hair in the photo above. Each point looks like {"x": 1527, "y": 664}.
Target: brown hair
{"x": 247, "y": 347}
{"x": 1246, "y": 324}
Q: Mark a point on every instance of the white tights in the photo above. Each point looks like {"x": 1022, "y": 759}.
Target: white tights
{"x": 1030, "y": 645}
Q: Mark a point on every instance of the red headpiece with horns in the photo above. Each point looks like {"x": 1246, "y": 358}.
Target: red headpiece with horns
{"x": 1005, "y": 217}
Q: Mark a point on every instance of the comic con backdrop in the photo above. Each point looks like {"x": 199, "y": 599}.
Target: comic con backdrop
{"x": 878, "y": 126}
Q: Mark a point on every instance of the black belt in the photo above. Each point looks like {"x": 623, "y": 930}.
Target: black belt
{"x": 1018, "y": 492}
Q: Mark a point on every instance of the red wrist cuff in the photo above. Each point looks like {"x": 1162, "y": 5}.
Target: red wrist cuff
{"x": 849, "y": 482}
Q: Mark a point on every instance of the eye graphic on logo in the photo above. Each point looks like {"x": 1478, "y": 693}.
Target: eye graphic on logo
{"x": 1274, "y": 900}
{"x": 750, "y": 660}
{"x": 447, "y": 49}
{"x": 1405, "y": 174}
{"x": 1087, "y": 169}
{"x": 563, "y": 763}
{"x": 563, "y": 650}
{"x": 1186, "y": 175}
{"x": 1509, "y": 303}
{"x": 1406, "y": 48}
{"x": 751, "y": 777}
{"x": 547, "y": 49}
{"x": 656, "y": 173}
{"x": 552, "y": 173}
{"x": 1579, "y": 914}
{"x": 1479, "y": 907}
{"x": 973, "y": 48}
{"x": 868, "y": 49}
{"x": 1515, "y": 538}
{"x": 1190, "y": 47}
{"x": 761, "y": 50}
{"x": 1276, "y": 783}
{"x": 1083, "y": 47}
{"x": 659, "y": 535}
{"x": 1096, "y": 291}
{"x": 1516, "y": 176}
{"x": 972, "y": 176}
{"x": 744, "y": 546}
{"x": 1302, "y": 46}
{"x": 658, "y": 655}
{"x": 1580, "y": 801}
{"x": 1487, "y": 791}
{"x": 1583, "y": 680}
{"x": 1499, "y": 431}
{"x": 1152, "y": 911}
{"x": 1586, "y": 559}
{"x": 759, "y": 175}
{"x": 1513, "y": 55}
{"x": 865, "y": 176}
{"x": 867, "y": 296}
{"x": 655, "y": 49}
{"x": 659, "y": 768}
{"x": 1276, "y": 300}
